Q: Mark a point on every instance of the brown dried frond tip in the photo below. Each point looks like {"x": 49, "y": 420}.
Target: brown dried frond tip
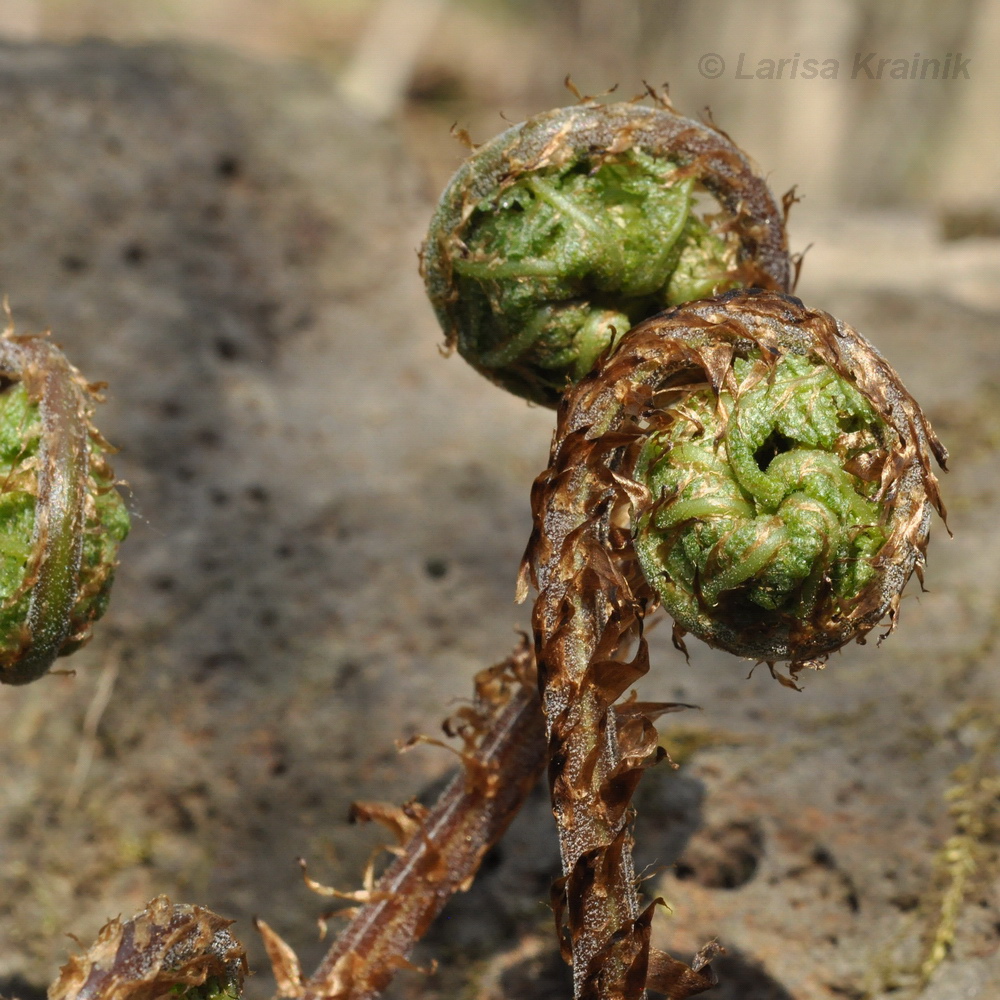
{"x": 167, "y": 950}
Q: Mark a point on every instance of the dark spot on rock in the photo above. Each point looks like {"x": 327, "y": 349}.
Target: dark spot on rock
{"x": 848, "y": 990}
{"x": 822, "y": 857}
{"x": 303, "y": 321}
{"x": 171, "y": 409}
{"x": 228, "y": 167}
{"x": 219, "y": 497}
{"x": 257, "y": 494}
{"x": 227, "y": 659}
{"x": 226, "y": 349}
{"x": 436, "y": 568}
{"x": 184, "y": 821}
{"x": 683, "y": 871}
{"x": 73, "y": 264}
{"x": 723, "y": 857}
{"x": 432, "y": 84}
{"x": 347, "y": 672}
{"x": 164, "y": 583}
{"x": 134, "y": 254}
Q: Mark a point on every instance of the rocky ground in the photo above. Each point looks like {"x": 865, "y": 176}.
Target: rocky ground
{"x": 328, "y": 521}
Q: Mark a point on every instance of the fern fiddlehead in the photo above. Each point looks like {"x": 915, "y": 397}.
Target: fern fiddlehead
{"x": 562, "y": 232}
{"x": 61, "y": 518}
{"x": 758, "y": 468}
{"x": 789, "y": 476}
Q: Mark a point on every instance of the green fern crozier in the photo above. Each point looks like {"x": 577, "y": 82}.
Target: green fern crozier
{"x": 61, "y": 517}
{"x": 566, "y": 259}
{"x": 758, "y": 514}
{"x": 562, "y": 232}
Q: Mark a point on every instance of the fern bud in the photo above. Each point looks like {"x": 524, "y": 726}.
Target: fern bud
{"x": 777, "y": 471}
{"x": 61, "y": 518}
{"x": 562, "y": 232}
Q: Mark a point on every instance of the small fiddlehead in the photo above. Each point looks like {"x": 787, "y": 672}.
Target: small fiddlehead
{"x": 562, "y": 232}
{"x": 758, "y": 468}
{"x": 61, "y": 518}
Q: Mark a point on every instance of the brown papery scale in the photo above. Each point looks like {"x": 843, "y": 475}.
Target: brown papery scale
{"x": 757, "y": 467}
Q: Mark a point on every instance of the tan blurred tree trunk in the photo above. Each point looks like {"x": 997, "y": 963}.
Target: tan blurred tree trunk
{"x": 378, "y": 76}
{"x": 969, "y": 170}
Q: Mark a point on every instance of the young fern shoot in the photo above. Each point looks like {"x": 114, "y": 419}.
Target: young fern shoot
{"x": 167, "y": 950}
{"x": 562, "y": 232}
{"x": 758, "y": 468}
{"x": 61, "y": 518}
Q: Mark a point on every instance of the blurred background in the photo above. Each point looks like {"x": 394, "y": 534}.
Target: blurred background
{"x": 852, "y": 140}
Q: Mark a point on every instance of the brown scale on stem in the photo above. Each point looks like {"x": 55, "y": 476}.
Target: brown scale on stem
{"x": 440, "y": 850}
{"x": 671, "y": 390}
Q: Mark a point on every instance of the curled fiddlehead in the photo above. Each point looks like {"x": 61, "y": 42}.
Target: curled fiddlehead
{"x": 61, "y": 518}
{"x": 562, "y": 232}
{"x": 758, "y": 468}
